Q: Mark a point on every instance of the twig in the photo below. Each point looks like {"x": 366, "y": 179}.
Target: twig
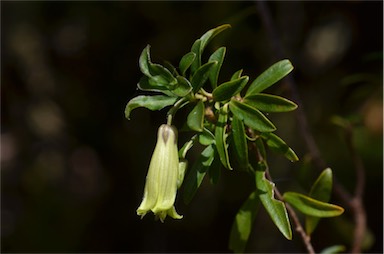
{"x": 353, "y": 202}
{"x": 357, "y": 201}
{"x": 299, "y": 228}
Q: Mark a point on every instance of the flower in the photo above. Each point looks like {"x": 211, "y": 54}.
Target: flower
{"x": 162, "y": 178}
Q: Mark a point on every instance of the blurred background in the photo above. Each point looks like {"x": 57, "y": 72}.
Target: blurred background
{"x": 73, "y": 168}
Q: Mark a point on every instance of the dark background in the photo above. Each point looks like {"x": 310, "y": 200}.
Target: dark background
{"x": 73, "y": 168}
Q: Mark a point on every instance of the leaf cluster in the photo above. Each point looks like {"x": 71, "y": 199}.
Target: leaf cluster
{"x": 229, "y": 120}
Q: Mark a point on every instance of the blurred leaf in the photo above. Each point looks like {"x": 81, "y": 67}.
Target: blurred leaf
{"x": 154, "y": 102}
{"x": 269, "y": 77}
{"x": 275, "y": 208}
{"x": 183, "y": 164}
{"x": 169, "y": 66}
{"x": 183, "y": 87}
{"x": 260, "y": 146}
{"x": 237, "y": 74}
{"x": 278, "y": 145}
{"x": 310, "y": 206}
{"x": 220, "y": 137}
{"x": 242, "y": 225}
{"x": 186, "y": 62}
{"x": 206, "y": 137}
{"x": 240, "y": 146}
{"x": 321, "y": 190}
{"x": 197, "y": 173}
{"x": 218, "y": 56}
{"x": 251, "y": 116}
{"x": 270, "y": 103}
{"x": 333, "y": 249}
{"x": 195, "y": 119}
{"x": 201, "y": 75}
{"x": 228, "y": 89}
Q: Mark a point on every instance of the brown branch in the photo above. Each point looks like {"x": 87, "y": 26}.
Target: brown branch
{"x": 353, "y": 202}
{"x": 298, "y": 227}
{"x": 357, "y": 201}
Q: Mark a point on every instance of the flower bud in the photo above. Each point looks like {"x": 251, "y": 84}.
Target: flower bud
{"x": 162, "y": 178}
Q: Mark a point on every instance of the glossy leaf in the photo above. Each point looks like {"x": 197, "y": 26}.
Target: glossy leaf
{"x": 221, "y": 136}
{"x": 237, "y": 74}
{"x": 243, "y": 223}
{"x": 228, "y": 89}
{"x": 186, "y": 62}
{"x": 197, "y": 61}
{"x": 251, "y": 116}
{"x": 275, "y": 208}
{"x": 197, "y": 173}
{"x": 206, "y": 137}
{"x": 218, "y": 56}
{"x": 240, "y": 146}
{"x": 183, "y": 87}
{"x": 321, "y": 190}
{"x": 154, "y": 102}
{"x": 269, "y": 77}
{"x": 278, "y": 145}
{"x": 208, "y": 36}
{"x": 270, "y": 103}
{"x": 312, "y": 207}
{"x": 195, "y": 118}
{"x": 201, "y": 75}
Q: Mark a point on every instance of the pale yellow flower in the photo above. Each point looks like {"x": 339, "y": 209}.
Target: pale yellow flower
{"x": 163, "y": 176}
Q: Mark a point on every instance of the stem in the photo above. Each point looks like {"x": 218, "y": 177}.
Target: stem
{"x": 171, "y": 113}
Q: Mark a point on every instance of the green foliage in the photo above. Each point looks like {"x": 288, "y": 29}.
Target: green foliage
{"x": 229, "y": 126}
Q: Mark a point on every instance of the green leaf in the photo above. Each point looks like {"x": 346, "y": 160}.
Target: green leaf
{"x": 218, "y": 56}
{"x": 228, "y": 89}
{"x": 278, "y": 145}
{"x": 206, "y": 137}
{"x": 208, "y": 36}
{"x": 158, "y": 75}
{"x": 270, "y": 103}
{"x": 240, "y": 146}
{"x": 312, "y": 207}
{"x": 154, "y": 102}
{"x": 221, "y": 136}
{"x": 183, "y": 87}
{"x": 197, "y": 61}
{"x": 270, "y": 77}
{"x": 242, "y": 225}
{"x": 333, "y": 249}
{"x": 251, "y": 116}
{"x": 321, "y": 190}
{"x": 195, "y": 119}
{"x": 197, "y": 173}
{"x": 145, "y": 85}
{"x": 237, "y": 74}
{"x": 186, "y": 62}
{"x": 275, "y": 208}
{"x": 188, "y": 145}
{"x": 201, "y": 75}
{"x": 261, "y": 148}
{"x": 200, "y": 44}
{"x": 214, "y": 170}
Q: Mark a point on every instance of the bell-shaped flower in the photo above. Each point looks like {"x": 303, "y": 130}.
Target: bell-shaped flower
{"x": 162, "y": 178}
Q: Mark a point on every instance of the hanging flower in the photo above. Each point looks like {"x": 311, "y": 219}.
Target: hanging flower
{"x": 162, "y": 178}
